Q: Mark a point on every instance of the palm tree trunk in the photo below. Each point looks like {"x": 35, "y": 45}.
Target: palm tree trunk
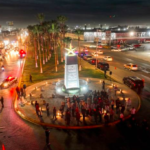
{"x": 55, "y": 57}
{"x": 46, "y": 50}
{"x": 42, "y": 45}
{"x": 61, "y": 48}
{"x": 41, "y": 68}
{"x": 35, "y": 46}
{"x": 79, "y": 52}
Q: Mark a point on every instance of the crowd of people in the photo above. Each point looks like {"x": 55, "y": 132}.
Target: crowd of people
{"x": 97, "y": 106}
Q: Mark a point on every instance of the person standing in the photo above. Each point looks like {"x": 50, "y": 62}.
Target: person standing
{"x": 47, "y": 132}
{"x": 133, "y": 110}
{"x": 78, "y": 118}
{"x": 30, "y": 78}
{"x": 47, "y": 109}
{"x": 2, "y": 101}
{"x": 54, "y": 113}
{"x": 103, "y": 85}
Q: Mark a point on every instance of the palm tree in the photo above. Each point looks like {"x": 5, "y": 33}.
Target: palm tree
{"x": 41, "y": 17}
{"x": 34, "y": 31}
{"x": 67, "y": 41}
{"x": 54, "y": 30}
{"x": 38, "y": 29}
{"x": 62, "y": 19}
{"x": 79, "y": 32}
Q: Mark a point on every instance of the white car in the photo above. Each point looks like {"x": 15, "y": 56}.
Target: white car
{"x": 108, "y": 58}
{"x": 117, "y": 50}
{"x": 95, "y": 54}
{"x": 100, "y": 52}
{"x": 131, "y": 66}
{"x": 92, "y": 46}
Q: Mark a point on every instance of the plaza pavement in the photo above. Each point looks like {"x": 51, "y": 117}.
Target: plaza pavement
{"x": 26, "y": 108}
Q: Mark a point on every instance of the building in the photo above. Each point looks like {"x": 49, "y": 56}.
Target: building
{"x": 119, "y": 35}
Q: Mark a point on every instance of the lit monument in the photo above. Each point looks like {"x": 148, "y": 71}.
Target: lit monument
{"x": 71, "y": 69}
{"x": 71, "y": 84}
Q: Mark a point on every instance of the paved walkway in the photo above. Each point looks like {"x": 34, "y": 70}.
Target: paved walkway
{"x": 26, "y": 107}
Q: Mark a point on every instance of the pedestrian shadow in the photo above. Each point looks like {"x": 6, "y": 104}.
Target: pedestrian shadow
{"x": 1, "y": 110}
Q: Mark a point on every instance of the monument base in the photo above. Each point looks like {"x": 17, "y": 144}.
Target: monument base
{"x": 62, "y": 91}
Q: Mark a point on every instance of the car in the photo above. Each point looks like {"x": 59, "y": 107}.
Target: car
{"x": 99, "y": 46}
{"x": 131, "y": 66}
{"x": 103, "y": 65}
{"x": 93, "y": 61}
{"x": 95, "y": 54}
{"x": 87, "y": 57}
{"x": 22, "y": 53}
{"x": 81, "y": 54}
{"x": 117, "y": 50}
{"x": 100, "y": 52}
{"x": 108, "y": 58}
{"x": 133, "y": 82}
{"x": 8, "y": 81}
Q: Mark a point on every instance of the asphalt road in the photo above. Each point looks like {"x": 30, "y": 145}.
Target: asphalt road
{"x": 18, "y": 134}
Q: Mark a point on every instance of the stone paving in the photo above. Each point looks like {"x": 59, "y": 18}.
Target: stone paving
{"x": 47, "y": 88}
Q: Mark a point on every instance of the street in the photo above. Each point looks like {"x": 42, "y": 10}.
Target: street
{"x": 18, "y": 134}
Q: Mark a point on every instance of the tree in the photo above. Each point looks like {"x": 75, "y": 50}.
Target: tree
{"x": 41, "y": 17}
{"x": 54, "y": 30}
{"x": 61, "y": 20}
{"x": 38, "y": 29}
{"x": 79, "y": 32}
{"x": 67, "y": 41}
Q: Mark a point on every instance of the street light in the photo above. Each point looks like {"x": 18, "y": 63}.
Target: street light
{"x": 131, "y": 33}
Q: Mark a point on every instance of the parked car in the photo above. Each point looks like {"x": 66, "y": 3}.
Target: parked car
{"x": 133, "y": 82}
{"x": 87, "y": 57}
{"x": 95, "y": 54}
{"x": 103, "y": 65}
{"x": 93, "y": 61}
{"x": 131, "y": 66}
{"x": 100, "y": 52}
{"x": 108, "y": 58}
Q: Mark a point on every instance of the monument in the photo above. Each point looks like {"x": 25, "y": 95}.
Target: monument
{"x": 71, "y": 84}
{"x": 71, "y": 70}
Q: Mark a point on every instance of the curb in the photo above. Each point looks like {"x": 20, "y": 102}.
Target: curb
{"x": 21, "y": 115}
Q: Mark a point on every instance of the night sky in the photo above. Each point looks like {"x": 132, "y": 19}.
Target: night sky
{"x": 79, "y": 12}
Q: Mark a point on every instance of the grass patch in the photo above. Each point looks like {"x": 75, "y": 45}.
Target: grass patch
{"x": 49, "y": 69}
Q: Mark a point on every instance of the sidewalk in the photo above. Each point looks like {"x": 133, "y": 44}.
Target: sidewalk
{"x": 26, "y": 108}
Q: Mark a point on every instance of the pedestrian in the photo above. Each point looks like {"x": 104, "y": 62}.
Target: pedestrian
{"x": 95, "y": 115}
{"x": 30, "y": 78}
{"x": 106, "y": 119}
{"x": 78, "y": 118}
{"x": 112, "y": 104}
{"x": 111, "y": 114}
{"x": 73, "y": 109}
{"x": 38, "y": 112}
{"x": 18, "y": 91}
{"x": 83, "y": 113}
{"x": 129, "y": 103}
{"x": 54, "y": 113}
{"x": 133, "y": 110}
{"x": 103, "y": 85}
{"x": 121, "y": 117}
{"x": 100, "y": 115}
{"x": 122, "y": 109}
{"x": 2, "y": 101}
{"x": 47, "y": 132}
{"x": 24, "y": 86}
{"x": 68, "y": 118}
{"x": 47, "y": 109}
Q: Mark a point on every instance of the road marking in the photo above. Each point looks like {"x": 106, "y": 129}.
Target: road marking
{"x": 145, "y": 76}
{"x": 128, "y": 59}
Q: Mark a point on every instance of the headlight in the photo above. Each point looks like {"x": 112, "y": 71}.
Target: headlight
{"x": 5, "y": 84}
